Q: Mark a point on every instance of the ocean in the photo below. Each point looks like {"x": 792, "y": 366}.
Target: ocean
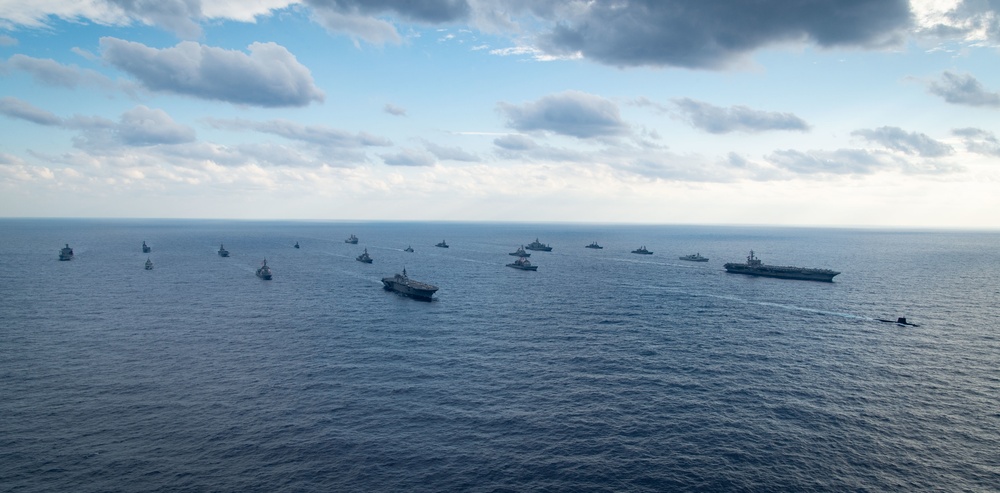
{"x": 601, "y": 371}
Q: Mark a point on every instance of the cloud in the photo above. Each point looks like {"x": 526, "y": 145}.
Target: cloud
{"x": 839, "y": 162}
{"x": 699, "y": 34}
{"x": 53, "y": 73}
{"x": 358, "y": 18}
{"x": 314, "y": 134}
{"x": 23, "y": 110}
{"x": 177, "y": 16}
{"x": 268, "y": 76}
{"x": 912, "y": 143}
{"x": 427, "y": 11}
{"x": 182, "y": 17}
{"x": 979, "y": 141}
{"x": 515, "y": 142}
{"x": 394, "y": 110}
{"x": 717, "y": 120}
{"x": 450, "y": 153}
{"x": 972, "y": 20}
{"x": 963, "y": 89}
{"x": 142, "y": 126}
{"x": 573, "y": 113}
{"x": 408, "y": 157}
{"x": 7, "y": 40}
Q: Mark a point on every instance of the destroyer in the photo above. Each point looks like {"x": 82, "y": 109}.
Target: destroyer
{"x": 149, "y": 264}
{"x": 264, "y": 272}
{"x": 297, "y": 245}
{"x": 364, "y": 257}
{"x": 595, "y": 246}
{"x": 442, "y": 244}
{"x": 222, "y": 251}
{"x": 694, "y": 258}
{"x": 754, "y": 267}
{"x": 66, "y": 253}
{"x": 408, "y": 249}
{"x": 523, "y": 264}
{"x": 642, "y": 251}
{"x": 520, "y": 253}
{"x": 352, "y": 239}
{"x": 146, "y": 248}
{"x": 539, "y": 246}
{"x": 402, "y": 284}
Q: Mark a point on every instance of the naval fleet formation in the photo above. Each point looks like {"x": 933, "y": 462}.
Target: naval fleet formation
{"x": 401, "y": 283}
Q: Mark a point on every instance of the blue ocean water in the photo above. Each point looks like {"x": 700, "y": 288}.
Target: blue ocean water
{"x": 602, "y": 371}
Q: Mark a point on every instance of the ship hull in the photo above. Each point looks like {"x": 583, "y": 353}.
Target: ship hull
{"x": 799, "y": 274}
{"x": 539, "y": 249}
{"x": 522, "y": 267}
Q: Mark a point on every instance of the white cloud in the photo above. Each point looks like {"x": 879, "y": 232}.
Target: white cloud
{"x": 573, "y": 113}
{"x": 912, "y": 143}
{"x": 268, "y": 76}
{"x": 408, "y": 157}
{"x": 17, "y": 108}
{"x": 142, "y": 126}
{"x": 718, "y": 120}
{"x": 394, "y": 110}
{"x": 964, "y": 89}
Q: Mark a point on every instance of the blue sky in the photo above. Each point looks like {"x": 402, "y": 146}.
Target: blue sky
{"x": 820, "y": 113}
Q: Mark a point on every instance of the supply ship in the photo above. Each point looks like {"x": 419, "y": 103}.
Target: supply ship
{"x": 66, "y": 253}
{"x": 754, "y": 267}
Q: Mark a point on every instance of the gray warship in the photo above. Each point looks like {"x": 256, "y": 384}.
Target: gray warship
{"x": 520, "y": 252}
{"x": 595, "y": 246}
{"x": 149, "y": 264}
{"x": 222, "y": 251}
{"x": 694, "y": 257}
{"x": 146, "y": 248}
{"x": 523, "y": 264}
{"x": 538, "y": 246}
{"x": 264, "y": 272}
{"x": 754, "y": 267}
{"x": 66, "y": 253}
{"x": 364, "y": 257}
{"x": 402, "y": 284}
{"x": 642, "y": 251}
{"x": 352, "y": 239}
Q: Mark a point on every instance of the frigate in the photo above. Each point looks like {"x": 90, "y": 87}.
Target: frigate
{"x": 694, "y": 257}
{"x": 264, "y": 272}
{"x": 364, "y": 257}
{"x": 523, "y": 264}
{"x": 539, "y": 246}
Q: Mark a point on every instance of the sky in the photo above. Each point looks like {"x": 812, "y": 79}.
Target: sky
{"x": 854, "y": 113}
